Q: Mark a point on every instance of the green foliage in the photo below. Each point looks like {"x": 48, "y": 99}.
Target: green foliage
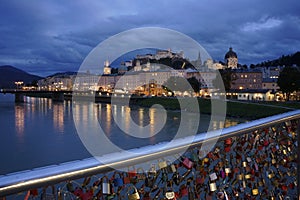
{"x": 289, "y": 80}
{"x": 226, "y": 76}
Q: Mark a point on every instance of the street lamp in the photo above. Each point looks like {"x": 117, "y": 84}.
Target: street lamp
{"x": 18, "y": 84}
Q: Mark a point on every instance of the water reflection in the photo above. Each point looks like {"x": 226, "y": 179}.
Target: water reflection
{"x": 58, "y": 117}
{"x": 19, "y": 121}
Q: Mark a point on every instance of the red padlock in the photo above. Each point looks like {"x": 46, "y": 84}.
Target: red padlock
{"x": 187, "y": 163}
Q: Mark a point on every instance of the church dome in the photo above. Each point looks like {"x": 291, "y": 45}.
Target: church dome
{"x": 230, "y": 54}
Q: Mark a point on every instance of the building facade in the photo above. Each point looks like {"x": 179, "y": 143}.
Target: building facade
{"x": 246, "y": 79}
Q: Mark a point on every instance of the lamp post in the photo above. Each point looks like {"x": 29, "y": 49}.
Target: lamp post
{"x": 18, "y": 84}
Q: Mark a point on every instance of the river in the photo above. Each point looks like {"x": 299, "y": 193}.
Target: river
{"x": 40, "y": 132}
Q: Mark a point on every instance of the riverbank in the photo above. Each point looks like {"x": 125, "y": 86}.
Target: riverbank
{"x": 239, "y": 109}
{"x": 247, "y": 110}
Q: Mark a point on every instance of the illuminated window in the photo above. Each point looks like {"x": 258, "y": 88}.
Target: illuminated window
{"x": 246, "y": 76}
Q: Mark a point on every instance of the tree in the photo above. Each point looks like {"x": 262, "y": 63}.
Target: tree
{"x": 288, "y": 80}
{"x": 226, "y": 76}
{"x": 195, "y": 84}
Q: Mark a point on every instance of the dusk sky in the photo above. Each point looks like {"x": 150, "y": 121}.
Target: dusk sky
{"x": 44, "y": 37}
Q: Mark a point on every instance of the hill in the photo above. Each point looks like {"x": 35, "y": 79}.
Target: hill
{"x": 284, "y": 60}
{"x": 9, "y": 75}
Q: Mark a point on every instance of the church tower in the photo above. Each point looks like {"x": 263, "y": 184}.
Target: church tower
{"x": 231, "y": 59}
{"x": 107, "y": 68}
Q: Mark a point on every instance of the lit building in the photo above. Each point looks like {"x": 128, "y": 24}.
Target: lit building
{"x": 231, "y": 59}
{"x": 270, "y": 83}
{"x": 107, "y": 68}
{"x": 246, "y": 79}
{"x": 54, "y": 83}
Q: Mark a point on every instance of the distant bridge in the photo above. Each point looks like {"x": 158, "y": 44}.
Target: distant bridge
{"x": 19, "y": 94}
{"x": 61, "y": 95}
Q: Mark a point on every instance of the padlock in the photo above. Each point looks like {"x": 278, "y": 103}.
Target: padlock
{"x": 106, "y": 188}
{"x": 227, "y": 171}
{"x": 212, "y": 187}
{"x": 248, "y": 159}
{"x": 162, "y": 164}
{"x": 244, "y": 164}
{"x": 187, "y": 163}
{"x": 171, "y": 167}
{"x": 228, "y": 141}
{"x": 169, "y": 194}
{"x": 213, "y": 176}
{"x": 118, "y": 181}
{"x": 240, "y": 176}
{"x": 135, "y": 195}
{"x": 247, "y": 176}
{"x": 254, "y": 191}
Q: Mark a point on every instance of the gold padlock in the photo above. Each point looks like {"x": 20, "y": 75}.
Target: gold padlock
{"x": 135, "y": 195}
{"x": 244, "y": 164}
{"x": 240, "y": 176}
{"x": 284, "y": 151}
{"x": 247, "y": 176}
{"x": 255, "y": 191}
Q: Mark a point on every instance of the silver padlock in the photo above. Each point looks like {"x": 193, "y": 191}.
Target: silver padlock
{"x": 212, "y": 187}
{"x": 105, "y": 185}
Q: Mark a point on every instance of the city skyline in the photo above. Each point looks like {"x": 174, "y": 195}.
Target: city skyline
{"x": 47, "y": 37}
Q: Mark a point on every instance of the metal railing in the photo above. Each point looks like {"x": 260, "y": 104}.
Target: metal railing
{"x": 284, "y": 126}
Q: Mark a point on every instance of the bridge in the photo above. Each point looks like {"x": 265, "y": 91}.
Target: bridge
{"x": 253, "y": 160}
{"x": 19, "y": 94}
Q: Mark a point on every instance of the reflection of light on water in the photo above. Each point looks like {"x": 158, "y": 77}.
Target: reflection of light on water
{"x": 19, "y": 121}
{"x": 108, "y": 119}
{"x": 58, "y": 117}
{"x": 141, "y": 117}
{"x": 127, "y": 118}
{"x": 152, "y": 121}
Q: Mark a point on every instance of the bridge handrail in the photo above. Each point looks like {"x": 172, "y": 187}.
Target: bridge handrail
{"x": 39, "y": 177}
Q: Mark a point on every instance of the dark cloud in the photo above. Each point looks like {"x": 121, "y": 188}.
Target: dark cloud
{"x": 48, "y": 36}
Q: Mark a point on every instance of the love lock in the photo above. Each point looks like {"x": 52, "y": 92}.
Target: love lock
{"x": 135, "y": 195}
{"x": 162, "y": 164}
{"x": 171, "y": 167}
{"x": 106, "y": 187}
{"x": 212, "y": 187}
{"x": 213, "y": 176}
{"x": 170, "y": 194}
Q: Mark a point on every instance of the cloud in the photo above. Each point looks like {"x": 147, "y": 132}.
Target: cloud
{"x": 45, "y": 36}
{"x": 263, "y": 24}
